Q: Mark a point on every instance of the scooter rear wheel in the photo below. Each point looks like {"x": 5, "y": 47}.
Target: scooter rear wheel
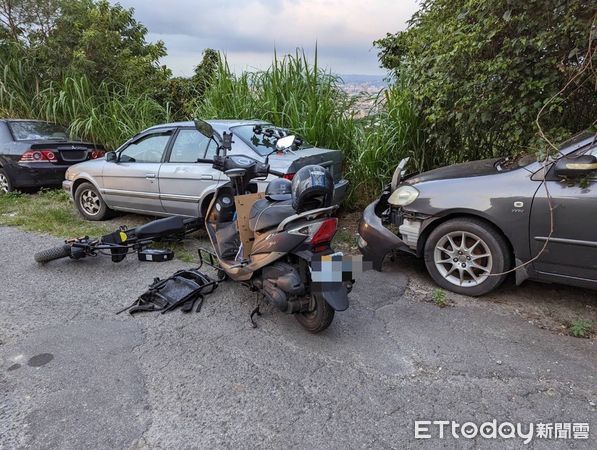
{"x": 318, "y": 319}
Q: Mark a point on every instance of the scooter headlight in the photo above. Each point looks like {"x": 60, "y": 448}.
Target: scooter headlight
{"x": 403, "y": 196}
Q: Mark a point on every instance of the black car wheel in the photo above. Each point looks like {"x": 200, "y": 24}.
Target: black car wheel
{"x": 90, "y": 203}
{"x": 5, "y": 183}
{"x": 466, "y": 255}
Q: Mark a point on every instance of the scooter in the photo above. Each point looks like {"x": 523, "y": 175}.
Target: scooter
{"x": 270, "y": 246}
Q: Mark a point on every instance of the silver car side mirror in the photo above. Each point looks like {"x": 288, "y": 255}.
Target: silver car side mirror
{"x": 111, "y": 157}
{"x": 285, "y": 142}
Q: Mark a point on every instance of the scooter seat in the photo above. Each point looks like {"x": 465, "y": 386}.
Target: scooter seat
{"x": 267, "y": 214}
{"x": 160, "y": 228}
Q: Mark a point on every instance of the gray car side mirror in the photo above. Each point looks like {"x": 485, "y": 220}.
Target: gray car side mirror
{"x": 111, "y": 157}
{"x": 574, "y": 167}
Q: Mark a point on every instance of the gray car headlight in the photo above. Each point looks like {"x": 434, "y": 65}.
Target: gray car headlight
{"x": 403, "y": 196}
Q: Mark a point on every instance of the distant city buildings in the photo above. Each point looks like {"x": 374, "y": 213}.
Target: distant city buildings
{"x": 366, "y": 89}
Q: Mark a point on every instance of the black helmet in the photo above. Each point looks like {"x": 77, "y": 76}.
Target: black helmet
{"x": 279, "y": 190}
{"x": 312, "y": 188}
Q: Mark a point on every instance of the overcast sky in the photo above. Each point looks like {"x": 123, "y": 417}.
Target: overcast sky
{"x": 248, "y": 30}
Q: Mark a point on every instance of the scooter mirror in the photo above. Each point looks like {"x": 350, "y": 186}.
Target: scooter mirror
{"x": 285, "y": 142}
{"x": 204, "y": 128}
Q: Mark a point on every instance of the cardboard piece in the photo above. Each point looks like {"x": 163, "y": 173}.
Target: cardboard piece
{"x": 243, "y": 209}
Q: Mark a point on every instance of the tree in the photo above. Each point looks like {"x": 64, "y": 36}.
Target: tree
{"x": 183, "y": 95}
{"x": 90, "y": 38}
{"x": 205, "y": 71}
{"x": 481, "y": 70}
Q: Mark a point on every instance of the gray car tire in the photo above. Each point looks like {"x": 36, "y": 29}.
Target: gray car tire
{"x": 90, "y": 203}
{"x": 463, "y": 268}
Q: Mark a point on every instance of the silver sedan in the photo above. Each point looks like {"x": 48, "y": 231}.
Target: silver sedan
{"x": 156, "y": 172}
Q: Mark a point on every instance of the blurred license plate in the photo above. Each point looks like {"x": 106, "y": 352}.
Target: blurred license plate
{"x": 336, "y": 267}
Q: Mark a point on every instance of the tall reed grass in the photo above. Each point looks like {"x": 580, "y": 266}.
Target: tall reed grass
{"x": 382, "y": 140}
{"x": 108, "y": 113}
{"x": 17, "y": 89}
{"x": 303, "y": 97}
{"x": 293, "y": 92}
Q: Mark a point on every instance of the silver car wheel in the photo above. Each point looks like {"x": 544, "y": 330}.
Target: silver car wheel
{"x": 463, "y": 258}
{"x": 4, "y": 183}
{"x": 90, "y": 202}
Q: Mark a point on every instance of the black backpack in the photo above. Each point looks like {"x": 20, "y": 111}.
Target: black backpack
{"x": 186, "y": 288}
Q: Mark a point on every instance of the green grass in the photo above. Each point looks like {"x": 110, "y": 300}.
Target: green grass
{"x": 49, "y": 211}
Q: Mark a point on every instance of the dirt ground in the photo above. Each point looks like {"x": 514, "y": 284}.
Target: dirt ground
{"x": 548, "y": 306}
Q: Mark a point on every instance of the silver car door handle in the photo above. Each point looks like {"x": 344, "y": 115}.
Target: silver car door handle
{"x": 206, "y": 177}
{"x": 150, "y": 175}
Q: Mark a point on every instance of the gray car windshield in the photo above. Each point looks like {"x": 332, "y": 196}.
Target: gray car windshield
{"x": 262, "y": 138}
{"x": 31, "y": 130}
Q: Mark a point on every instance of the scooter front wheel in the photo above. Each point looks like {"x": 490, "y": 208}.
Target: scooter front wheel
{"x": 51, "y": 254}
{"x": 318, "y": 319}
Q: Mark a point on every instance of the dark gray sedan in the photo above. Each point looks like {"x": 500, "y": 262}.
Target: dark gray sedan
{"x": 474, "y": 222}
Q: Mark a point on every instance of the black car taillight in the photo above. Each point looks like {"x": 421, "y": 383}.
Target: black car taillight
{"x": 38, "y": 156}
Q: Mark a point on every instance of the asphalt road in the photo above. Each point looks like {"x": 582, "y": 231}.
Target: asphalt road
{"x": 75, "y": 375}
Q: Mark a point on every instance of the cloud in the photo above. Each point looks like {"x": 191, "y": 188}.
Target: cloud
{"x": 248, "y": 30}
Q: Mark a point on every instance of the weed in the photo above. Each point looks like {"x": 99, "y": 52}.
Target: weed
{"x": 580, "y": 328}
{"x": 439, "y": 298}
{"x": 344, "y": 238}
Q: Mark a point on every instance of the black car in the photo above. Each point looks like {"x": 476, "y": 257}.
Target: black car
{"x": 36, "y": 154}
{"x": 473, "y": 223}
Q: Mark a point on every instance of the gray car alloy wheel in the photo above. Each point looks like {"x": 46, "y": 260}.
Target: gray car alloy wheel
{"x": 463, "y": 258}
{"x": 90, "y": 202}
{"x": 4, "y": 183}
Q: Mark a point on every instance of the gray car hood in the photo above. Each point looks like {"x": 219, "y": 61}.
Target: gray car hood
{"x": 463, "y": 170}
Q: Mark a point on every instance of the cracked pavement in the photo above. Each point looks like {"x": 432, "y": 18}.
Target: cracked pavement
{"x": 209, "y": 380}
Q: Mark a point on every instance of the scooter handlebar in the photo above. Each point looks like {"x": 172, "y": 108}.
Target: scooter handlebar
{"x": 276, "y": 173}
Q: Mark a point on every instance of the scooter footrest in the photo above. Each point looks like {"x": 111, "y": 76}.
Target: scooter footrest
{"x": 208, "y": 257}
